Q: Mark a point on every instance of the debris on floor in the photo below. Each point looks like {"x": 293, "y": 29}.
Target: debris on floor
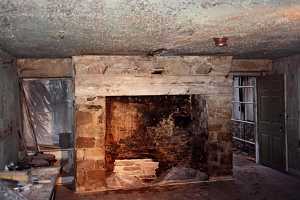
{"x": 25, "y": 181}
{"x": 33, "y": 184}
{"x": 251, "y": 182}
{"x": 184, "y": 174}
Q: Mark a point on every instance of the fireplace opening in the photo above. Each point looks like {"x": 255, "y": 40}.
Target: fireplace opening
{"x": 155, "y": 139}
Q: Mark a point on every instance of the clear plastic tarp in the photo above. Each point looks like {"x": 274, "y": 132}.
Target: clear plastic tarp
{"x": 50, "y": 106}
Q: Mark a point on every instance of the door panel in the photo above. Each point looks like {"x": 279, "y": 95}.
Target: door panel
{"x": 264, "y": 145}
{"x": 276, "y": 142}
{"x": 271, "y": 134}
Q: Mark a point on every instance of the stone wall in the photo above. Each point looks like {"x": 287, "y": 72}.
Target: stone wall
{"x": 9, "y": 111}
{"x": 251, "y": 65}
{"x": 100, "y": 76}
{"x": 89, "y": 144}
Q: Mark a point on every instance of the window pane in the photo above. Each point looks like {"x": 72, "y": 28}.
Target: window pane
{"x": 50, "y": 102}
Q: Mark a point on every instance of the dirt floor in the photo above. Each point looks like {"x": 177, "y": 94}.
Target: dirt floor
{"x": 251, "y": 181}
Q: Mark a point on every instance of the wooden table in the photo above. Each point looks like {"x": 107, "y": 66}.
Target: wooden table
{"x": 42, "y": 191}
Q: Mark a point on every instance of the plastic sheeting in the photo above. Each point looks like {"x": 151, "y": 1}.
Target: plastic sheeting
{"x": 50, "y": 105}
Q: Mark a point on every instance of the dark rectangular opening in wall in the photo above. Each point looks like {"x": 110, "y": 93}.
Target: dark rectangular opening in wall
{"x": 155, "y": 138}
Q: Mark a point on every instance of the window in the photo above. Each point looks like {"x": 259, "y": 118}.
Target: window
{"x": 49, "y": 117}
{"x": 244, "y": 113}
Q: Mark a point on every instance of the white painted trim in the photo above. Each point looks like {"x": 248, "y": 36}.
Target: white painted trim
{"x": 256, "y": 122}
{"x": 256, "y": 127}
{"x": 243, "y": 102}
{"x": 242, "y": 121}
{"x": 239, "y": 139}
{"x": 249, "y": 86}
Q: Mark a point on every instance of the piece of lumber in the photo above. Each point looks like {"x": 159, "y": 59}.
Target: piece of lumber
{"x": 21, "y": 176}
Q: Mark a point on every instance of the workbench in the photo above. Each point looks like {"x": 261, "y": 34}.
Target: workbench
{"x": 40, "y": 191}
{"x": 44, "y": 191}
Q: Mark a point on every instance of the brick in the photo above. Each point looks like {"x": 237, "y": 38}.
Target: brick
{"x": 85, "y": 164}
{"x": 94, "y": 154}
{"x": 80, "y": 177}
{"x": 100, "y": 164}
{"x": 79, "y": 154}
{"x": 88, "y": 131}
{"x": 133, "y": 168}
{"x": 96, "y": 177}
{"x": 100, "y": 142}
{"x": 85, "y": 142}
{"x": 224, "y": 136}
{"x": 215, "y": 127}
{"x": 83, "y": 118}
{"x": 226, "y": 159}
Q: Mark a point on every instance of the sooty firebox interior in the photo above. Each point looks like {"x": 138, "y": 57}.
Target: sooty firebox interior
{"x": 155, "y": 139}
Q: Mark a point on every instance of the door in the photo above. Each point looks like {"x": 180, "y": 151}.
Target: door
{"x": 271, "y": 121}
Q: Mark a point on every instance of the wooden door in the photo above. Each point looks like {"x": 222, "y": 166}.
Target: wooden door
{"x": 271, "y": 121}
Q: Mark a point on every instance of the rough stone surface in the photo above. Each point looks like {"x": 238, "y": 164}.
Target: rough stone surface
{"x": 255, "y": 28}
{"x": 45, "y": 68}
{"x": 157, "y": 127}
{"x": 251, "y": 65}
{"x": 89, "y": 144}
{"x": 99, "y": 78}
{"x": 131, "y": 75}
{"x": 9, "y": 110}
{"x": 219, "y": 135}
{"x": 183, "y": 173}
{"x": 130, "y": 173}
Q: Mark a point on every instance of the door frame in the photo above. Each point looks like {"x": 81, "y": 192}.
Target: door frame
{"x": 285, "y": 127}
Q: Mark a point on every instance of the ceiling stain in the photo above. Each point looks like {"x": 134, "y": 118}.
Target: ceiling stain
{"x": 44, "y": 28}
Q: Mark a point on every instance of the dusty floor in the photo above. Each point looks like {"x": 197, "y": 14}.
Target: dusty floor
{"x": 251, "y": 181}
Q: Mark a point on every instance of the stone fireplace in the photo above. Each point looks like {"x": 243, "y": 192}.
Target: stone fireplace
{"x": 136, "y": 127}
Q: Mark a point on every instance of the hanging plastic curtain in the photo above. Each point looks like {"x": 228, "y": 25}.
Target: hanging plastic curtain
{"x": 50, "y": 109}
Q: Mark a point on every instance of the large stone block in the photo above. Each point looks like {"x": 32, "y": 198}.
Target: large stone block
{"x": 90, "y": 154}
{"x": 79, "y": 154}
{"x": 85, "y": 164}
{"x": 140, "y": 168}
{"x": 144, "y": 66}
{"x": 95, "y": 179}
{"x": 85, "y": 142}
{"x": 80, "y": 177}
{"x": 94, "y": 154}
{"x": 83, "y": 118}
{"x": 90, "y": 131}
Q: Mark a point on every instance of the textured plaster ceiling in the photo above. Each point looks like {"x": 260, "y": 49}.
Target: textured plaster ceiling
{"x": 4, "y": 56}
{"x": 62, "y": 28}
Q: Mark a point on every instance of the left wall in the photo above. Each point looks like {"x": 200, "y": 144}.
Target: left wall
{"x": 9, "y": 110}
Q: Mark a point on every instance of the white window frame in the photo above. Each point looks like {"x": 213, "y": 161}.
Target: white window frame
{"x": 242, "y": 120}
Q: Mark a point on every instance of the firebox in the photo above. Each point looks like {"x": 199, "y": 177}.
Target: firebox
{"x": 154, "y": 139}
